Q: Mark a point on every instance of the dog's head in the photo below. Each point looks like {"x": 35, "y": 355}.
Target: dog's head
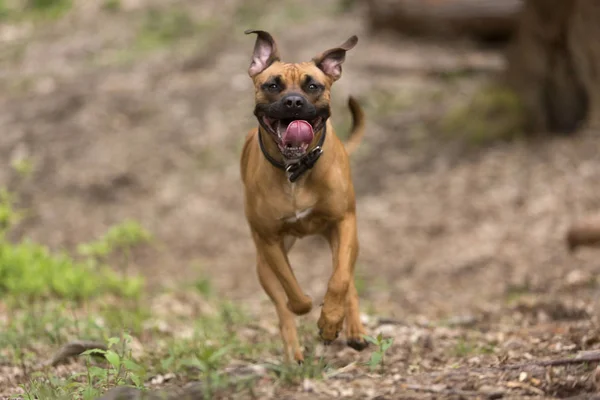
{"x": 292, "y": 100}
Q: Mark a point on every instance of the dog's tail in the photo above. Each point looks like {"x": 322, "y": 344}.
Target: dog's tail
{"x": 358, "y": 125}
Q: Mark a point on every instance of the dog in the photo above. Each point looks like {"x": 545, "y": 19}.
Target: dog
{"x": 297, "y": 182}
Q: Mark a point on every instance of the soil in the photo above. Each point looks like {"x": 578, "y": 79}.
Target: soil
{"x": 459, "y": 243}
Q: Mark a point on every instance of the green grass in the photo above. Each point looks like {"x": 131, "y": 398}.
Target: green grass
{"x": 34, "y": 9}
{"x": 49, "y": 299}
{"x": 312, "y": 368}
{"x": 30, "y": 271}
{"x": 111, "y": 5}
{"x": 161, "y": 28}
{"x": 465, "y": 348}
{"x": 199, "y": 356}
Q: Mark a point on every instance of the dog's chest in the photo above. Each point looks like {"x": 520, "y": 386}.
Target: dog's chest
{"x": 299, "y": 215}
{"x": 300, "y": 206}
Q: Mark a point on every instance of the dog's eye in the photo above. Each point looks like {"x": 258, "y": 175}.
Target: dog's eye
{"x": 273, "y": 87}
{"x": 312, "y": 86}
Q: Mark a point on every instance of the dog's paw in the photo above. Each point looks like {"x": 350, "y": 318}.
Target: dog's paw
{"x": 357, "y": 344}
{"x": 355, "y": 334}
{"x": 329, "y": 330}
{"x": 301, "y": 307}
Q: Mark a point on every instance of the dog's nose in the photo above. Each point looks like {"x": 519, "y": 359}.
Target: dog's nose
{"x": 294, "y": 102}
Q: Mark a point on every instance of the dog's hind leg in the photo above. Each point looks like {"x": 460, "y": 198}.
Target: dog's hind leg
{"x": 287, "y": 323}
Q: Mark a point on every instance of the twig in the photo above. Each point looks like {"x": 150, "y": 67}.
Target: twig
{"x": 581, "y": 357}
{"x": 525, "y": 386}
{"x": 72, "y": 349}
{"x": 441, "y": 389}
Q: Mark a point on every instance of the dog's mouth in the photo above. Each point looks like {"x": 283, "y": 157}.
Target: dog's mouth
{"x": 293, "y": 136}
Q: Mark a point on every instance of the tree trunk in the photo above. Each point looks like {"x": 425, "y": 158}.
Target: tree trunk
{"x": 482, "y": 19}
{"x": 554, "y": 64}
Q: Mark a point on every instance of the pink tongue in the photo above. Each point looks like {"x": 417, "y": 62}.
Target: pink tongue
{"x": 298, "y": 132}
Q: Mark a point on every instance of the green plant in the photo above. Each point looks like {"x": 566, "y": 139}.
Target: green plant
{"x": 31, "y": 271}
{"x": 119, "y": 238}
{"x": 46, "y": 8}
{"x": 119, "y": 369}
{"x": 23, "y": 167}
{"x": 118, "y": 241}
{"x": 311, "y": 368}
{"x": 34, "y": 9}
{"x": 465, "y": 348}
{"x": 203, "y": 286}
{"x": 377, "y": 359}
{"x": 9, "y": 216}
{"x": 122, "y": 369}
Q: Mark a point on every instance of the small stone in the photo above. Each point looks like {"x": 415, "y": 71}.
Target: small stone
{"x": 365, "y": 319}
{"x": 474, "y": 361}
{"x": 308, "y": 385}
{"x": 385, "y": 330}
{"x": 522, "y": 376}
{"x": 577, "y": 278}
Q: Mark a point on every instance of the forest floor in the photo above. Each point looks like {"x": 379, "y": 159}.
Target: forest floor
{"x": 137, "y": 110}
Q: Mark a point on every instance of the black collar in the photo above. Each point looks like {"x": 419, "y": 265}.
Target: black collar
{"x": 296, "y": 170}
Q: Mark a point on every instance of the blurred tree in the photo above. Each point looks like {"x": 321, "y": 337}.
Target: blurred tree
{"x": 554, "y": 64}
{"x": 553, "y": 53}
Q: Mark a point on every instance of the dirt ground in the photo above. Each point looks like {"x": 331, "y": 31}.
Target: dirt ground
{"x": 460, "y": 244}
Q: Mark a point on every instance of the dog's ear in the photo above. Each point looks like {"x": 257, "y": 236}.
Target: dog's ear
{"x": 265, "y": 52}
{"x": 330, "y": 61}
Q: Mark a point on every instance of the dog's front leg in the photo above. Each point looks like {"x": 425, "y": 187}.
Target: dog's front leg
{"x": 344, "y": 246}
{"x": 272, "y": 252}
{"x": 287, "y": 323}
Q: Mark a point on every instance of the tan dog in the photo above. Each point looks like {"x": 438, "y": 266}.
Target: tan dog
{"x": 297, "y": 182}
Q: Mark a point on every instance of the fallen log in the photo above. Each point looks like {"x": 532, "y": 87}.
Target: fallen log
{"x": 584, "y": 233}
{"x": 481, "y": 19}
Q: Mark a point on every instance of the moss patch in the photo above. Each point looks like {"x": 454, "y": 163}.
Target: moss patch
{"x": 493, "y": 113}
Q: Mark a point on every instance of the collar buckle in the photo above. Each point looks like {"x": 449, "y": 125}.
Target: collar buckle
{"x": 295, "y": 171}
